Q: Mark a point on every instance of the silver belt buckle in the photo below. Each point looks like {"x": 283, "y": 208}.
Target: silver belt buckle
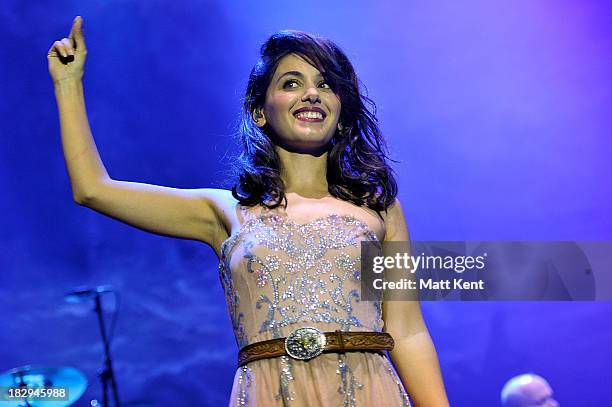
{"x": 305, "y": 343}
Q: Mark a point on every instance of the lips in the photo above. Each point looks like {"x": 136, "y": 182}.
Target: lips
{"x": 310, "y": 114}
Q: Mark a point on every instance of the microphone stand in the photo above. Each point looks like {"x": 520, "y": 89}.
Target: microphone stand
{"x": 106, "y": 374}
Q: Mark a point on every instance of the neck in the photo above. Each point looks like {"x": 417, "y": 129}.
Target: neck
{"x": 303, "y": 174}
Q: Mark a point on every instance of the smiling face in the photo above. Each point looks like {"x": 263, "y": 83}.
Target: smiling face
{"x": 300, "y": 107}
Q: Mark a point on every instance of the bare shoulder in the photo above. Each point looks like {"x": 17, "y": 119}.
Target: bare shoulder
{"x": 395, "y": 223}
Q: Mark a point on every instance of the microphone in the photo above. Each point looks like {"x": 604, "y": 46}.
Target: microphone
{"x": 84, "y": 293}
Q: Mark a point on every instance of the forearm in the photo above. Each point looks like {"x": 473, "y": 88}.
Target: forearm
{"x": 416, "y": 361}
{"x": 85, "y": 168}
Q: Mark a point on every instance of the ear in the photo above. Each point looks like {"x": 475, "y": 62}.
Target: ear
{"x": 258, "y": 117}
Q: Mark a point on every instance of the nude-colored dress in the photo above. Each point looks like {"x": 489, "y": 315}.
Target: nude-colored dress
{"x": 279, "y": 275}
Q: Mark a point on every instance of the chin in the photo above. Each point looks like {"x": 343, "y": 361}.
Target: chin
{"x": 320, "y": 138}
{"x": 307, "y": 146}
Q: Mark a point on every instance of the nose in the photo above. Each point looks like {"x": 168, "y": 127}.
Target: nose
{"x": 311, "y": 94}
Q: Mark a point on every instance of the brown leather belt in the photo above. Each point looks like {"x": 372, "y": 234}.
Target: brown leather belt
{"x": 307, "y": 343}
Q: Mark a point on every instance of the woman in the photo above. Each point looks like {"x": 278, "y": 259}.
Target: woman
{"x": 312, "y": 183}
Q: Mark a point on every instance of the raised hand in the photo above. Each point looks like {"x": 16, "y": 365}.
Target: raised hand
{"x": 67, "y": 56}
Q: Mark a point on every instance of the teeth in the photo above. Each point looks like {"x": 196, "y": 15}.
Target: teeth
{"x": 309, "y": 115}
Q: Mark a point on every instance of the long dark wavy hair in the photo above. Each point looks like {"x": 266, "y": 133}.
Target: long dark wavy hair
{"x": 357, "y": 169}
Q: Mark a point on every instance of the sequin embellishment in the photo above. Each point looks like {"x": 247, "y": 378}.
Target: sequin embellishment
{"x": 244, "y": 382}
{"x": 300, "y": 285}
{"x": 298, "y": 273}
{"x": 400, "y": 386}
{"x": 348, "y": 382}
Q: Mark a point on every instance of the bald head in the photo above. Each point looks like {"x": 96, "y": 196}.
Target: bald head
{"x": 527, "y": 390}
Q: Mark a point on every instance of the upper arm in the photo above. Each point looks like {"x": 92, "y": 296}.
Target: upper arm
{"x": 197, "y": 214}
{"x": 395, "y": 223}
{"x": 401, "y": 316}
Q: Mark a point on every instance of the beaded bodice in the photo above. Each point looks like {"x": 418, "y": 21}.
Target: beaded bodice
{"x": 279, "y": 275}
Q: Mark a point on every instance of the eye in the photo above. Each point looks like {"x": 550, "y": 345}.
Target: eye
{"x": 325, "y": 85}
{"x": 290, "y": 81}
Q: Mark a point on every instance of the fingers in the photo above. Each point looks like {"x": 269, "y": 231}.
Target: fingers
{"x": 67, "y": 46}
{"x": 62, "y": 47}
{"x": 57, "y": 49}
{"x": 76, "y": 34}
{"x": 52, "y": 51}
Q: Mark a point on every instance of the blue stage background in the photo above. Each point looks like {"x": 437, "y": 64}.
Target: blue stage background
{"x": 498, "y": 111}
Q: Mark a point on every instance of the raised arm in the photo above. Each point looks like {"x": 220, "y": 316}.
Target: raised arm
{"x": 414, "y": 354}
{"x": 199, "y": 214}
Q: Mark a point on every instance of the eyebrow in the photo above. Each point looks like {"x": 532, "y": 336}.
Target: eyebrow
{"x": 295, "y": 73}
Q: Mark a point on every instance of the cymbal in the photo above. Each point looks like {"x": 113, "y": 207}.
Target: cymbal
{"x": 42, "y": 376}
